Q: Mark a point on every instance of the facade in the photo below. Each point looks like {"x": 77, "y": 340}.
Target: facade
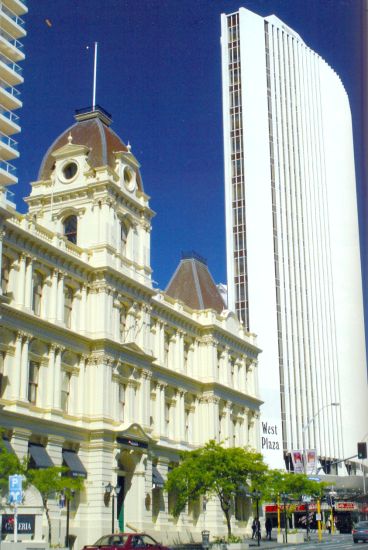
{"x": 101, "y": 372}
{"x": 293, "y": 262}
{"x": 12, "y": 30}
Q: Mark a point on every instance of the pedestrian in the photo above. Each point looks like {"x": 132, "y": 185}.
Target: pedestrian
{"x": 328, "y": 526}
{"x": 254, "y": 528}
{"x": 268, "y": 526}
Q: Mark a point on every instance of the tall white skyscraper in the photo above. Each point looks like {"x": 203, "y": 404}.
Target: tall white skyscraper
{"x": 12, "y": 30}
{"x": 293, "y": 262}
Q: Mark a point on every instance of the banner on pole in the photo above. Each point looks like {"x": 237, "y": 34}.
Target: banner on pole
{"x": 297, "y": 458}
{"x": 311, "y": 461}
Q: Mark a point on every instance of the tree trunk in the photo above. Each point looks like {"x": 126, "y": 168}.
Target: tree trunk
{"x": 48, "y": 517}
{"x": 228, "y": 523}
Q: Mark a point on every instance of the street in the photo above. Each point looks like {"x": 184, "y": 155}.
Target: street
{"x": 338, "y": 542}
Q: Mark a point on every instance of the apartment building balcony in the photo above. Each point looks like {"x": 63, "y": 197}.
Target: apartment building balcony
{"x": 10, "y": 71}
{"x": 17, "y": 6}
{"x": 11, "y": 22}
{"x": 11, "y": 47}
{"x": 8, "y": 122}
{"x": 7, "y": 173}
{"x": 9, "y": 96}
{"x": 8, "y": 147}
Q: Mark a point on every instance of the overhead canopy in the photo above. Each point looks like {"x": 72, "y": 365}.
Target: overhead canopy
{"x": 157, "y": 479}
{"x": 39, "y": 457}
{"x": 74, "y": 463}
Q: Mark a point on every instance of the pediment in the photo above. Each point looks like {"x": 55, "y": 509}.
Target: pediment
{"x": 132, "y": 347}
{"x": 70, "y": 150}
{"x": 134, "y": 433}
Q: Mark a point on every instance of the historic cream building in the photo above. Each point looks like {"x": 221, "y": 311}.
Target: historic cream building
{"x": 99, "y": 370}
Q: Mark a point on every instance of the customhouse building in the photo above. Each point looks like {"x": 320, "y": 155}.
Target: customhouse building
{"x": 293, "y": 261}
{"x": 101, "y": 372}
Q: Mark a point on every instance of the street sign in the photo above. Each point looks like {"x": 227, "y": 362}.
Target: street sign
{"x": 15, "y": 489}
{"x": 314, "y": 478}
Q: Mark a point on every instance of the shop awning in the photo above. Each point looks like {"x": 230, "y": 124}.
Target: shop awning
{"x": 157, "y": 479}
{"x": 8, "y": 446}
{"x": 74, "y": 463}
{"x": 39, "y": 457}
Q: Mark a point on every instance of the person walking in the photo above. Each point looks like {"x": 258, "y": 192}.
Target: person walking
{"x": 268, "y": 526}
{"x": 254, "y": 528}
{"x": 328, "y": 526}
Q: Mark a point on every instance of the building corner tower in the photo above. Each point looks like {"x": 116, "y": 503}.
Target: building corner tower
{"x": 293, "y": 263}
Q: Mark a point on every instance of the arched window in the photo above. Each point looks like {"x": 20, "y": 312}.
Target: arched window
{"x": 70, "y": 228}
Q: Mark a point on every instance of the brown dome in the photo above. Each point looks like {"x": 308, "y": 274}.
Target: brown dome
{"x": 91, "y": 129}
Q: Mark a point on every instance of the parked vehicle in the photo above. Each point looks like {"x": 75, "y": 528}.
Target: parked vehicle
{"x": 126, "y": 541}
{"x": 360, "y": 531}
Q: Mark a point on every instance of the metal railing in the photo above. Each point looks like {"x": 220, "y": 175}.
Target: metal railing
{"x": 9, "y": 38}
{"x": 8, "y": 114}
{"x": 9, "y": 88}
{"x": 7, "y": 167}
{"x": 18, "y": 20}
{"x": 9, "y": 141}
{"x": 9, "y": 63}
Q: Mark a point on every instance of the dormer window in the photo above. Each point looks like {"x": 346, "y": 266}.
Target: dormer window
{"x": 70, "y": 170}
{"x": 70, "y": 228}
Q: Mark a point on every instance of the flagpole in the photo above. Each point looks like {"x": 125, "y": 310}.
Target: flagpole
{"x": 94, "y": 78}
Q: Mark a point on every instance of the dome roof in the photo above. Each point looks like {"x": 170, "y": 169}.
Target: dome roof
{"x": 91, "y": 129}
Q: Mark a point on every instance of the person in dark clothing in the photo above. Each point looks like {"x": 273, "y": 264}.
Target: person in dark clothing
{"x": 268, "y": 526}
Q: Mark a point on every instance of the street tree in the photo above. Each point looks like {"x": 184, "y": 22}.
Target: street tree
{"x": 50, "y": 482}
{"x": 9, "y": 465}
{"x": 214, "y": 470}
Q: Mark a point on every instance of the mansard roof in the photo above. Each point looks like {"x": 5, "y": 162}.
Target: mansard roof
{"x": 193, "y": 284}
{"x": 92, "y": 129}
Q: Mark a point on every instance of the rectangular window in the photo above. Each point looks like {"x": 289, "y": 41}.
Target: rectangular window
{"x": 167, "y": 418}
{"x": 122, "y": 322}
{"x": 33, "y": 381}
{"x": 65, "y": 390}
{"x": 2, "y": 382}
{"x": 37, "y": 293}
{"x": 166, "y": 349}
{"x": 122, "y": 391}
{"x": 5, "y": 270}
{"x": 68, "y": 306}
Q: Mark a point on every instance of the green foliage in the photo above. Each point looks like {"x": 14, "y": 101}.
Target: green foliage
{"x": 9, "y": 465}
{"x": 294, "y": 485}
{"x": 50, "y": 482}
{"x": 215, "y": 471}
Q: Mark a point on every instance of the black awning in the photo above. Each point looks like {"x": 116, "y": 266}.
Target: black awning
{"x": 8, "y": 446}
{"x": 157, "y": 479}
{"x": 73, "y": 462}
{"x": 39, "y": 457}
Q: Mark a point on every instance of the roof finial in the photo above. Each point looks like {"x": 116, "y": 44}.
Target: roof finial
{"x": 70, "y": 138}
{"x": 129, "y": 147}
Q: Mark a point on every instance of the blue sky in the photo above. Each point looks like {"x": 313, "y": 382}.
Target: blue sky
{"x": 159, "y": 75}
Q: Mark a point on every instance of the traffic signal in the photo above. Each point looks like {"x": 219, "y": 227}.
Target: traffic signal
{"x": 362, "y": 450}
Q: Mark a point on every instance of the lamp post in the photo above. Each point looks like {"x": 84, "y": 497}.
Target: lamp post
{"x": 257, "y": 495}
{"x": 284, "y": 497}
{"x": 112, "y": 491}
{"x": 304, "y": 429}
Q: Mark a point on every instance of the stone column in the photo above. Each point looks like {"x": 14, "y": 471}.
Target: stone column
{"x": 60, "y": 298}
{"x": 145, "y": 401}
{"x": 28, "y": 283}
{"x": 24, "y": 368}
{"x": 19, "y": 441}
{"x": 131, "y": 389}
{"x": 54, "y": 295}
{"x": 21, "y": 284}
{"x": 57, "y": 378}
{"x": 51, "y": 377}
{"x": 162, "y": 429}
{"x": 179, "y": 416}
{"x": 80, "y": 386}
{"x": 54, "y": 448}
{"x": 14, "y": 372}
{"x": 83, "y": 310}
